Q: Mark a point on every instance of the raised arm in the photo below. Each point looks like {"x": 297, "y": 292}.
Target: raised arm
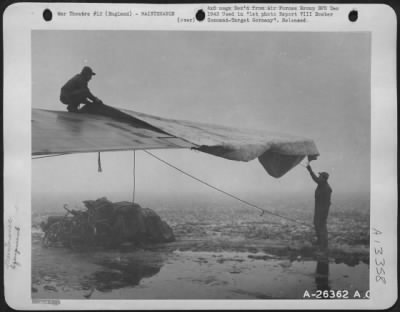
{"x": 313, "y": 175}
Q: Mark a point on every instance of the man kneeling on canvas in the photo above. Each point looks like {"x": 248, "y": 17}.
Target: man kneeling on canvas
{"x": 76, "y": 92}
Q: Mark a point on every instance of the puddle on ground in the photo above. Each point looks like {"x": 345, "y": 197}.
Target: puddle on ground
{"x": 119, "y": 273}
{"x": 62, "y": 274}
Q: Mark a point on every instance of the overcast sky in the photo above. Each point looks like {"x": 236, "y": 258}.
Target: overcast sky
{"x": 310, "y": 84}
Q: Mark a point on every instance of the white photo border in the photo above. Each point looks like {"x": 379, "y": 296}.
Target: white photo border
{"x": 21, "y": 18}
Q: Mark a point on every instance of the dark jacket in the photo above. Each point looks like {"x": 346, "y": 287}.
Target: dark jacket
{"x": 323, "y": 191}
{"x": 76, "y": 84}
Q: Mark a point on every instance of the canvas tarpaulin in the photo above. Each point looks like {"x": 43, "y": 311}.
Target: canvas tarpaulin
{"x": 104, "y": 128}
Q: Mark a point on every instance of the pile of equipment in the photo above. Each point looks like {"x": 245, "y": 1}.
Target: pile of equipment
{"x": 106, "y": 224}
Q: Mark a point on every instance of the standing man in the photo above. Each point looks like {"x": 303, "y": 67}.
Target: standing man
{"x": 76, "y": 92}
{"x": 322, "y": 204}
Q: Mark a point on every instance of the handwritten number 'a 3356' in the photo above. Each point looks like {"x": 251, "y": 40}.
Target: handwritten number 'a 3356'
{"x": 379, "y": 259}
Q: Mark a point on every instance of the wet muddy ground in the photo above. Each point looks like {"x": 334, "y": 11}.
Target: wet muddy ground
{"x": 145, "y": 274}
{"x": 219, "y": 254}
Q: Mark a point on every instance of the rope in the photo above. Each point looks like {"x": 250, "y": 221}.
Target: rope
{"x": 134, "y": 176}
{"x": 226, "y": 193}
{"x": 49, "y": 156}
{"x": 193, "y": 177}
{"x": 99, "y": 163}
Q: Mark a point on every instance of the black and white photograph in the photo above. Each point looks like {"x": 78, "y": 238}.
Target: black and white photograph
{"x": 201, "y": 164}
{"x": 170, "y": 145}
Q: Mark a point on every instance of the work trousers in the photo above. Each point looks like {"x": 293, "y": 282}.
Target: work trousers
{"x": 74, "y": 99}
{"x": 320, "y": 225}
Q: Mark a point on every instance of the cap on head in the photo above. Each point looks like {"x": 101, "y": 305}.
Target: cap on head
{"x": 324, "y": 175}
{"x": 87, "y": 71}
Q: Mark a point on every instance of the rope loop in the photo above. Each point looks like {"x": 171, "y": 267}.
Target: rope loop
{"x": 99, "y": 163}
{"x": 134, "y": 176}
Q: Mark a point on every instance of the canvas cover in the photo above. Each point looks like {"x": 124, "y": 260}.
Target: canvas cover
{"x": 103, "y": 128}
